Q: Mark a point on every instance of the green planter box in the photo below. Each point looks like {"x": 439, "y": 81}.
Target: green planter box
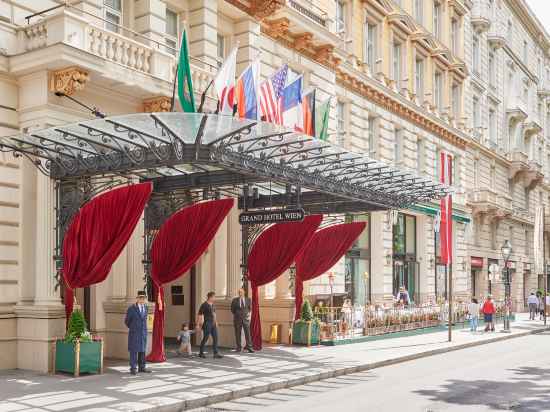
{"x": 306, "y": 333}
{"x": 78, "y": 358}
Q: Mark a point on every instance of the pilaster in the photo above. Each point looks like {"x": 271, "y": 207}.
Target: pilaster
{"x": 247, "y": 34}
{"x": 234, "y": 252}
{"x": 203, "y": 28}
{"x": 150, "y": 19}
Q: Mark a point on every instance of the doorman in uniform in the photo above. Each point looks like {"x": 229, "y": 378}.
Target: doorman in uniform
{"x": 136, "y": 321}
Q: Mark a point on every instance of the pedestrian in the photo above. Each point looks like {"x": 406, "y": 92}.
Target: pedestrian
{"x": 184, "y": 340}
{"x": 541, "y": 307}
{"x": 240, "y": 308}
{"x": 207, "y": 321}
{"x": 533, "y": 304}
{"x": 403, "y": 296}
{"x": 488, "y": 310}
{"x": 136, "y": 321}
{"x": 473, "y": 311}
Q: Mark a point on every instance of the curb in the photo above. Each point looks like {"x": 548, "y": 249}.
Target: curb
{"x": 326, "y": 374}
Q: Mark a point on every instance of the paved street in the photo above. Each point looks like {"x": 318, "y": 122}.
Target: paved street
{"x": 190, "y": 383}
{"x": 514, "y": 374}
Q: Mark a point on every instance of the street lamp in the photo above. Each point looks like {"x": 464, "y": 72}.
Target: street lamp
{"x": 506, "y": 250}
{"x": 366, "y": 278}
{"x": 331, "y": 284}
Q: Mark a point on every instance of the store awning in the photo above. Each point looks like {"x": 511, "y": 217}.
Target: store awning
{"x": 198, "y": 151}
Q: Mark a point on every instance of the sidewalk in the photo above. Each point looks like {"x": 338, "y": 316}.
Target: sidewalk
{"x": 183, "y": 383}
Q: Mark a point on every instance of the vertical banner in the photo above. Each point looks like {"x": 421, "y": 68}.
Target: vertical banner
{"x": 446, "y": 210}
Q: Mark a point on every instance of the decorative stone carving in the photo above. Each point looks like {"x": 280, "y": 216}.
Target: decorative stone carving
{"x": 261, "y": 9}
{"x": 303, "y": 41}
{"x": 69, "y": 80}
{"x": 277, "y": 28}
{"x": 157, "y": 104}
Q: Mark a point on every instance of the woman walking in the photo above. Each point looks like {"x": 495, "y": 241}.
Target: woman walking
{"x": 473, "y": 311}
{"x": 488, "y": 310}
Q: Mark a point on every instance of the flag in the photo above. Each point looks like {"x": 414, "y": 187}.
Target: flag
{"x": 270, "y": 92}
{"x": 308, "y": 113}
{"x": 185, "y": 84}
{"x": 446, "y": 224}
{"x": 247, "y": 91}
{"x": 538, "y": 233}
{"x": 291, "y": 105}
{"x": 321, "y": 120}
{"x": 224, "y": 83}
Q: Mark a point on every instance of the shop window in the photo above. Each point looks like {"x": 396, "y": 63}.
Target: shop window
{"x": 406, "y": 268}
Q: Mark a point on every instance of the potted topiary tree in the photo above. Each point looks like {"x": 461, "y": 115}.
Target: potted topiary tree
{"x": 78, "y": 352}
{"x": 306, "y": 330}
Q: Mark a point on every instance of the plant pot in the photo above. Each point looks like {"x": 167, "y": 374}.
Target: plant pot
{"x": 305, "y": 333}
{"x": 78, "y": 357}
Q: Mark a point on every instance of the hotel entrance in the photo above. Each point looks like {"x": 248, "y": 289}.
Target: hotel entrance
{"x": 405, "y": 266}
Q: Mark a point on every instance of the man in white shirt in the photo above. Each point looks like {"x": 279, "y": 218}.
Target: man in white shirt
{"x": 533, "y": 303}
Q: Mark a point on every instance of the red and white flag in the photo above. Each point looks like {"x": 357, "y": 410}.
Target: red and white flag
{"x": 446, "y": 225}
{"x": 270, "y": 96}
{"x": 224, "y": 83}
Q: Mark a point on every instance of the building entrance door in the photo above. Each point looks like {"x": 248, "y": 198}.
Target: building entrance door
{"x": 406, "y": 273}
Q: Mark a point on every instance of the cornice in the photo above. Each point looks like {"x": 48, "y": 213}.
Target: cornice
{"x": 393, "y": 104}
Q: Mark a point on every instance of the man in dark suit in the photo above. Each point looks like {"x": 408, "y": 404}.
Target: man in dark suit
{"x": 240, "y": 308}
{"x": 136, "y": 321}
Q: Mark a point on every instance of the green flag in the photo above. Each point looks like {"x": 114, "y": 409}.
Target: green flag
{"x": 321, "y": 120}
{"x": 185, "y": 84}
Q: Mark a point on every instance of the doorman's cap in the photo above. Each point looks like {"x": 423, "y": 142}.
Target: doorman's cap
{"x": 141, "y": 294}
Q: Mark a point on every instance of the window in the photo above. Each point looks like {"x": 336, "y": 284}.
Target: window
{"x": 437, "y": 19}
{"x": 438, "y": 90}
{"x": 419, "y": 79}
{"x": 509, "y": 33}
{"x": 419, "y": 11}
{"x": 476, "y": 113}
{"x": 171, "y": 31}
{"x": 220, "y": 49}
{"x": 340, "y": 16}
{"x": 539, "y": 71}
{"x": 455, "y": 95}
{"x": 476, "y": 173}
{"x": 525, "y": 51}
{"x": 527, "y": 199}
{"x": 398, "y": 145}
{"x": 492, "y": 69}
{"x": 492, "y": 127}
{"x": 397, "y": 64}
{"x": 113, "y": 14}
{"x": 493, "y": 177}
{"x": 420, "y": 156}
{"x": 455, "y": 32}
{"x": 370, "y": 44}
{"x": 373, "y": 144}
{"x": 341, "y": 121}
{"x": 475, "y": 53}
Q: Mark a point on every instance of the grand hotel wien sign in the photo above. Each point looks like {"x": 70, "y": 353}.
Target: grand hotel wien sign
{"x": 271, "y": 216}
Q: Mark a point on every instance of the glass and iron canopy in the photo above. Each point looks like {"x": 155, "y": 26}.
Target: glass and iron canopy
{"x": 197, "y": 152}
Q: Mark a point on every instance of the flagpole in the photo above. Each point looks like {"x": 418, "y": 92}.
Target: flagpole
{"x": 174, "y": 88}
{"x": 203, "y": 95}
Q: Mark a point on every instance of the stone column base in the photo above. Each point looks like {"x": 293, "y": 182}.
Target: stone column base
{"x": 277, "y": 312}
{"x": 37, "y": 328}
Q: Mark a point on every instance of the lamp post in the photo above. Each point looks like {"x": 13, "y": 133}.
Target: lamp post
{"x": 331, "y": 284}
{"x": 366, "y": 279}
{"x": 506, "y": 250}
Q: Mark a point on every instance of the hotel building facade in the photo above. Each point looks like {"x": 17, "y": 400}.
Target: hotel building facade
{"x": 407, "y": 80}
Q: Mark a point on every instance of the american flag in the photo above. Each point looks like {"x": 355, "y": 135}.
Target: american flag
{"x": 270, "y": 92}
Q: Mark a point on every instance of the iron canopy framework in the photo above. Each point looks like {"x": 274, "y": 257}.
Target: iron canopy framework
{"x": 194, "y": 156}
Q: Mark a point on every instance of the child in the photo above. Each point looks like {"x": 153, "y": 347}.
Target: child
{"x": 184, "y": 340}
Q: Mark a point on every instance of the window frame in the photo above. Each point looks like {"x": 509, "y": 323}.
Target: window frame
{"x": 169, "y": 37}
{"x": 108, "y": 9}
{"x": 437, "y": 17}
{"x": 370, "y": 43}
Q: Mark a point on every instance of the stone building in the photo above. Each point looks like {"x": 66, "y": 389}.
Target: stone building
{"x": 399, "y": 76}
{"x": 506, "y": 106}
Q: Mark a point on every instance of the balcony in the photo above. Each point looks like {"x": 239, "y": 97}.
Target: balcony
{"x": 519, "y": 163}
{"x": 481, "y": 17}
{"x": 490, "y": 204}
{"x": 533, "y": 175}
{"x": 305, "y": 27}
{"x": 113, "y": 60}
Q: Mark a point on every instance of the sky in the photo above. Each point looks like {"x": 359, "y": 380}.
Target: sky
{"x": 542, "y": 10}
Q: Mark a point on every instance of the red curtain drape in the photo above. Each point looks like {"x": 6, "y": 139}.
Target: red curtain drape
{"x": 322, "y": 252}
{"x": 272, "y": 253}
{"x": 180, "y": 242}
{"x": 97, "y": 234}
